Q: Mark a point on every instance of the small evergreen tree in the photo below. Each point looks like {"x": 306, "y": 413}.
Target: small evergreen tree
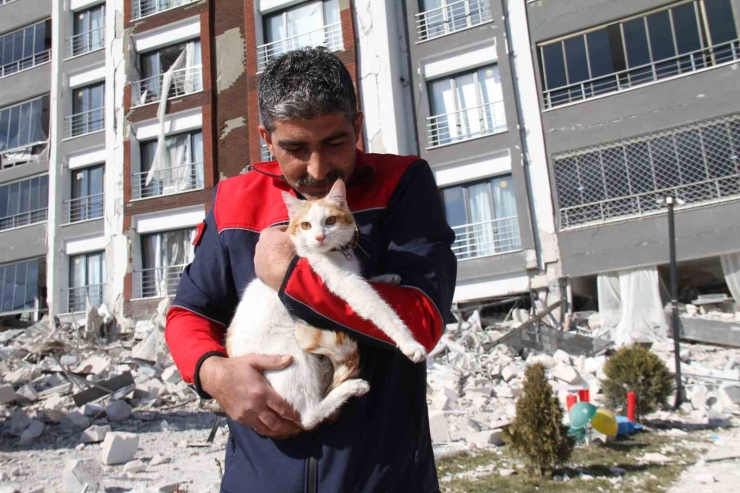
{"x": 635, "y": 369}
{"x": 538, "y": 433}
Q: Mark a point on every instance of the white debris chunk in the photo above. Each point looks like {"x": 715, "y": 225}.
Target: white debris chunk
{"x": 28, "y": 393}
{"x": 118, "y": 411}
{"x": 486, "y": 438}
{"x": 561, "y": 357}
{"x": 567, "y": 374}
{"x": 7, "y": 394}
{"x": 95, "y": 434}
{"x": 76, "y": 421}
{"x": 119, "y": 447}
{"x": 94, "y": 364}
{"x": 438, "y": 427}
{"x": 134, "y": 466}
{"x": 159, "y": 459}
{"x": 171, "y": 375}
{"x": 79, "y": 474}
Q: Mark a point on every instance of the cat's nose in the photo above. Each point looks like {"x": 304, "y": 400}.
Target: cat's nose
{"x": 320, "y": 238}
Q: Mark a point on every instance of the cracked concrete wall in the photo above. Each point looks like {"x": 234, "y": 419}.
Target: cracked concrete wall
{"x": 231, "y": 125}
{"x": 230, "y": 58}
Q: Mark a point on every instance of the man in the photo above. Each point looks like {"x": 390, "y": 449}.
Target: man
{"x": 379, "y": 442}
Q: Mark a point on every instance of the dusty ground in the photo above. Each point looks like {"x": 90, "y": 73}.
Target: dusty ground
{"x": 726, "y": 473}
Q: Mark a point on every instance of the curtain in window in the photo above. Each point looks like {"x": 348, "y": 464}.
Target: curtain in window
{"x": 176, "y": 175}
{"x": 731, "y": 269}
{"x": 304, "y": 26}
{"x": 445, "y": 122}
{"x": 467, "y": 98}
{"x": 192, "y": 80}
{"x": 490, "y": 88}
{"x": 479, "y": 204}
{"x": 163, "y": 257}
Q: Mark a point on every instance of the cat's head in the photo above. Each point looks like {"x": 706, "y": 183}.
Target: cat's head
{"x": 318, "y": 226}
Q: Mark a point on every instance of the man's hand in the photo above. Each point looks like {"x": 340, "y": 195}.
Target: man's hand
{"x": 272, "y": 256}
{"x": 246, "y": 396}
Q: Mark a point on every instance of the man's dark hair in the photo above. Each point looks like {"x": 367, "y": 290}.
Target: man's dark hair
{"x": 303, "y": 84}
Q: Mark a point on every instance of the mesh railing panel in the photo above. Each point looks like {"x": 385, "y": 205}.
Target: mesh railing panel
{"x": 695, "y": 163}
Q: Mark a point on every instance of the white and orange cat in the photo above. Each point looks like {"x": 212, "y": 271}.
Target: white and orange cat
{"x": 323, "y": 232}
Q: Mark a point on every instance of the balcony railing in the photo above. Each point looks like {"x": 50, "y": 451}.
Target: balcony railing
{"x": 23, "y": 219}
{"x": 84, "y": 123}
{"x": 487, "y": 238}
{"x": 168, "y": 181}
{"x": 83, "y": 208}
{"x": 79, "y": 298}
{"x": 82, "y": 43}
{"x": 157, "y": 282}
{"x": 4, "y": 2}
{"x": 265, "y": 154}
{"x": 329, "y": 36}
{"x": 25, "y": 63}
{"x": 143, "y": 8}
{"x": 451, "y": 18}
{"x": 643, "y": 74}
{"x": 184, "y": 81}
{"x": 465, "y": 124}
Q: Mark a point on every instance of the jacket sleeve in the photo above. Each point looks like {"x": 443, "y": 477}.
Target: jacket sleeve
{"x": 203, "y": 306}
{"x": 418, "y": 244}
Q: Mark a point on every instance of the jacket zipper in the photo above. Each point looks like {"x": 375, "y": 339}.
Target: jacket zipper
{"x": 312, "y": 471}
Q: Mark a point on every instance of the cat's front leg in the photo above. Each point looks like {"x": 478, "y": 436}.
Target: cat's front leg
{"x": 393, "y": 279}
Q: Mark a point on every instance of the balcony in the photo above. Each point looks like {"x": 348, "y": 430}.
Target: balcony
{"x": 184, "y": 81}
{"x": 23, "y": 219}
{"x": 79, "y": 298}
{"x": 84, "y": 123}
{"x": 3, "y": 2}
{"x": 83, "y": 208}
{"x": 451, "y": 18}
{"x": 168, "y": 181}
{"x": 25, "y": 64}
{"x": 466, "y": 124}
{"x": 157, "y": 282}
{"x": 680, "y": 65}
{"x": 486, "y": 238}
{"x": 329, "y": 36}
{"x": 143, "y": 8}
{"x": 82, "y": 43}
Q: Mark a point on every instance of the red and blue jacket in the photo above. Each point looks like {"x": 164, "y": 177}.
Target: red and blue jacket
{"x": 381, "y": 441}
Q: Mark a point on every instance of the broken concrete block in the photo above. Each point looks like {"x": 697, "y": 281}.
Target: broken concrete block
{"x": 698, "y": 396}
{"x": 171, "y": 375}
{"x": 119, "y": 447}
{"x": 7, "y": 394}
{"x": 441, "y": 401}
{"x": 438, "y": 427}
{"x": 34, "y": 430}
{"x": 594, "y": 365}
{"x": 168, "y": 488}
{"x": 730, "y": 394}
{"x": 55, "y": 402}
{"x": 94, "y": 365}
{"x": 544, "y": 359}
{"x": 95, "y": 434}
{"x": 566, "y": 373}
{"x": 561, "y": 357}
{"x": 158, "y": 459}
{"x": 486, "y": 438}
{"x": 52, "y": 415}
{"x": 81, "y": 473}
{"x": 75, "y": 421}
{"x": 134, "y": 466}
{"x": 28, "y": 393}
{"x": 510, "y": 372}
{"x": 118, "y": 411}
{"x": 92, "y": 409}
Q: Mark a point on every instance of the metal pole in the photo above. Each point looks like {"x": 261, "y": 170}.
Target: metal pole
{"x": 674, "y": 296}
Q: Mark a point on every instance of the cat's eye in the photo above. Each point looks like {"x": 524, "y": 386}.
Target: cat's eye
{"x": 331, "y": 220}
{"x": 306, "y": 225}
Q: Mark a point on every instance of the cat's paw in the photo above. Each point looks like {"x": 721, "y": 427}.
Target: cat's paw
{"x": 413, "y": 350}
{"x": 393, "y": 279}
{"x": 358, "y": 387}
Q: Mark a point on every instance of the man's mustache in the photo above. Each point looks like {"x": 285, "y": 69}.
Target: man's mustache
{"x": 328, "y": 180}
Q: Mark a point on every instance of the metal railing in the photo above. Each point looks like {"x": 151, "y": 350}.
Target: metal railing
{"x": 143, "y": 8}
{"x": 24, "y": 219}
{"x": 82, "y": 43}
{"x": 487, "y": 238}
{"x": 157, "y": 282}
{"x": 83, "y": 208}
{"x": 5, "y": 2}
{"x": 697, "y": 163}
{"x": 84, "y": 123}
{"x": 265, "y": 154}
{"x": 184, "y": 81}
{"x": 643, "y": 74}
{"x": 25, "y": 63}
{"x": 79, "y": 298}
{"x": 451, "y": 18}
{"x": 168, "y": 181}
{"x": 468, "y": 123}
{"x": 329, "y": 36}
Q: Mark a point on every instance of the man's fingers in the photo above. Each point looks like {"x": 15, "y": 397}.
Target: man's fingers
{"x": 263, "y": 362}
{"x": 277, "y": 425}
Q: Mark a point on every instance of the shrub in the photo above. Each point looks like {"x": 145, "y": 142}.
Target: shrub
{"x": 538, "y": 433}
{"x": 636, "y": 369}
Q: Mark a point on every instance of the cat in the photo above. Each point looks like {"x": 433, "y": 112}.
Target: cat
{"x": 322, "y": 376}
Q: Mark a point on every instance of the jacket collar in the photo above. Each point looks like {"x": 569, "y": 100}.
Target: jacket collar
{"x": 362, "y": 174}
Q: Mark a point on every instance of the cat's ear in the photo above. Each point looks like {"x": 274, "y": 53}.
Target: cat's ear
{"x": 338, "y": 194}
{"x": 293, "y": 204}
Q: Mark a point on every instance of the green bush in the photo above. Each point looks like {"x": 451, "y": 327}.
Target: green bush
{"x": 538, "y": 433}
{"x": 636, "y": 369}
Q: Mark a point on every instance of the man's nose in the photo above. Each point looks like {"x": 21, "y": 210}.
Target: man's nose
{"x": 318, "y": 168}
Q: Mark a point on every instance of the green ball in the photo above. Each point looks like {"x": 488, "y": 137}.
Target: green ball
{"x": 581, "y": 413}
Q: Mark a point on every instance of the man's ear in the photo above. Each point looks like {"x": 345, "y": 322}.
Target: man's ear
{"x": 357, "y": 124}
{"x": 266, "y": 137}
{"x": 293, "y": 204}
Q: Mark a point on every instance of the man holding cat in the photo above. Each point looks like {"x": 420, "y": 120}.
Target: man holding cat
{"x": 380, "y": 441}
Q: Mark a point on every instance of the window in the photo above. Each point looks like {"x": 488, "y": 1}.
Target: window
{"x": 466, "y": 106}
{"x": 306, "y": 24}
{"x": 87, "y": 194}
{"x": 163, "y": 257}
{"x": 25, "y": 48}
{"x": 440, "y": 17}
{"x": 24, "y": 124}
{"x": 24, "y": 202}
{"x": 661, "y": 44}
{"x": 19, "y": 286}
{"x": 180, "y": 170}
{"x": 88, "y": 112}
{"x": 142, "y": 8}
{"x": 187, "y": 74}
{"x": 86, "y": 281}
{"x": 89, "y": 31}
{"x": 483, "y": 216}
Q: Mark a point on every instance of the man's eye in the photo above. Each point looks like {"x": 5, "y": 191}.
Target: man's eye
{"x": 336, "y": 143}
{"x": 306, "y": 225}
{"x": 331, "y": 220}
{"x": 295, "y": 150}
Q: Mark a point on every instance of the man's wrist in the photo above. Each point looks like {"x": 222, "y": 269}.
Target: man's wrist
{"x": 208, "y": 374}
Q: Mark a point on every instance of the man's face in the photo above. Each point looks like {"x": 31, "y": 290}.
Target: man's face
{"x": 314, "y": 153}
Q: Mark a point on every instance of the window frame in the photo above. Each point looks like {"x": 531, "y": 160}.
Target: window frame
{"x": 38, "y": 287}
{"x": 466, "y": 197}
{"x": 44, "y": 117}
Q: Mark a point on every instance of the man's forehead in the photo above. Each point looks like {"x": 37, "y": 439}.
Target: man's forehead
{"x": 318, "y": 127}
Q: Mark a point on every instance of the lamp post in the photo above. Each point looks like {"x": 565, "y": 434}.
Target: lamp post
{"x": 670, "y": 202}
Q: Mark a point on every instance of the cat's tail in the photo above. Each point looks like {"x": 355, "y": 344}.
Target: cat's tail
{"x": 337, "y": 346}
